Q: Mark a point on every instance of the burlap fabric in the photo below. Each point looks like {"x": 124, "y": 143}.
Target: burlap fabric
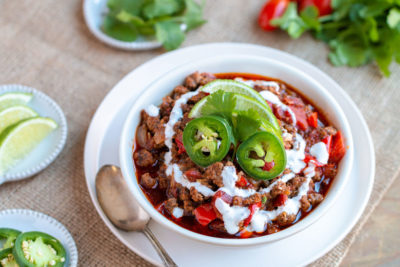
{"x": 46, "y": 44}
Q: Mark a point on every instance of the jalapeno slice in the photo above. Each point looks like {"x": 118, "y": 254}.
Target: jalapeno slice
{"x": 7, "y": 258}
{"x": 8, "y": 236}
{"x": 207, "y": 139}
{"x": 37, "y": 249}
{"x": 262, "y": 156}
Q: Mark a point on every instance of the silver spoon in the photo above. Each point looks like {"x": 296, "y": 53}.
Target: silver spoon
{"x": 122, "y": 208}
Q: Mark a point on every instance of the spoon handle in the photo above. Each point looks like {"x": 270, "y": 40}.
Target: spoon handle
{"x": 159, "y": 248}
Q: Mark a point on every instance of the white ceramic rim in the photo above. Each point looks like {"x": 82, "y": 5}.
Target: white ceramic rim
{"x": 70, "y": 245}
{"x": 61, "y": 142}
{"x": 336, "y": 188}
{"x": 143, "y": 45}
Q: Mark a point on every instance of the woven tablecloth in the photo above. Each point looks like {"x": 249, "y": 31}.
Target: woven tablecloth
{"x": 46, "y": 44}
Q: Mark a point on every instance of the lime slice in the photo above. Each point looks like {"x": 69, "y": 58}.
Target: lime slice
{"x": 243, "y": 103}
{"x": 12, "y": 115}
{"x": 234, "y": 87}
{"x": 19, "y": 139}
{"x": 12, "y": 99}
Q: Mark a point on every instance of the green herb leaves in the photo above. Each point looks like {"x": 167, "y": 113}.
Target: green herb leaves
{"x": 358, "y": 31}
{"x": 167, "y": 20}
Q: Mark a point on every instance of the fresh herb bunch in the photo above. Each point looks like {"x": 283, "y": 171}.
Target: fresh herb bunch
{"x": 357, "y": 31}
{"x": 167, "y": 20}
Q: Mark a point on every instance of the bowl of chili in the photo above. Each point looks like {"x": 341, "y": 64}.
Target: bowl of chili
{"x": 197, "y": 221}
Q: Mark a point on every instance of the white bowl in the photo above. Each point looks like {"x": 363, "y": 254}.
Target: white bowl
{"x": 313, "y": 90}
{"x": 94, "y": 12}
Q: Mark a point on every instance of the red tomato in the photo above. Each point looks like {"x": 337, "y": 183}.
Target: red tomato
{"x": 313, "y": 120}
{"x": 179, "y": 143}
{"x": 338, "y": 148}
{"x": 272, "y": 9}
{"x": 301, "y": 117}
{"x": 205, "y": 214}
{"x": 324, "y": 6}
{"x": 193, "y": 175}
{"x": 280, "y": 200}
{"x": 253, "y": 208}
{"x": 242, "y": 182}
{"x": 328, "y": 141}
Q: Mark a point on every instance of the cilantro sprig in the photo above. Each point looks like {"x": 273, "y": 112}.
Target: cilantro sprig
{"x": 358, "y": 32}
{"x": 167, "y": 20}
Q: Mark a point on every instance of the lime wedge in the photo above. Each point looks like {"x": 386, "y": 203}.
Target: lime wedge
{"x": 12, "y": 99}
{"x": 243, "y": 103}
{"x": 234, "y": 87}
{"x": 19, "y": 139}
{"x": 12, "y": 115}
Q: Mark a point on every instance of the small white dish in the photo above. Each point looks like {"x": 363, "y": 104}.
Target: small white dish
{"x": 47, "y": 151}
{"x": 26, "y": 220}
{"x": 94, "y": 12}
{"x": 102, "y": 147}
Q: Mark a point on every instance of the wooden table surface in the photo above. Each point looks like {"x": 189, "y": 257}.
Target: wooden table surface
{"x": 378, "y": 243}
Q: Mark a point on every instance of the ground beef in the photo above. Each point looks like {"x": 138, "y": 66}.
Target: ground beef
{"x": 195, "y": 195}
{"x": 170, "y": 204}
{"x": 252, "y": 199}
{"x": 213, "y": 173}
{"x": 285, "y": 219}
{"x": 143, "y": 158}
{"x": 147, "y": 181}
{"x": 315, "y": 198}
{"x": 304, "y": 204}
{"x": 197, "y": 79}
{"x": 279, "y": 188}
{"x": 188, "y": 207}
{"x": 180, "y": 90}
{"x": 237, "y": 201}
{"x": 330, "y": 170}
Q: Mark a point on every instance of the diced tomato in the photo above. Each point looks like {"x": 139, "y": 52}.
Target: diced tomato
{"x": 328, "y": 141}
{"x": 245, "y": 234}
{"x": 301, "y": 117}
{"x": 205, "y": 214}
{"x": 309, "y": 158}
{"x": 268, "y": 166}
{"x": 338, "y": 148}
{"x": 280, "y": 200}
{"x": 224, "y": 196}
{"x": 271, "y": 10}
{"x": 179, "y": 143}
{"x": 313, "y": 119}
{"x": 253, "y": 208}
{"x": 324, "y": 6}
{"x": 193, "y": 174}
{"x": 242, "y": 182}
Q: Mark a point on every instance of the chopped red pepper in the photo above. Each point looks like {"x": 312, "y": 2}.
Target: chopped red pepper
{"x": 179, "y": 143}
{"x": 193, "y": 174}
{"x": 205, "y": 214}
{"x": 280, "y": 200}
{"x": 301, "y": 117}
{"x": 268, "y": 166}
{"x": 242, "y": 182}
{"x": 245, "y": 234}
{"x": 328, "y": 141}
{"x": 313, "y": 119}
{"x": 253, "y": 208}
{"x": 338, "y": 148}
{"x": 224, "y": 196}
{"x": 309, "y": 158}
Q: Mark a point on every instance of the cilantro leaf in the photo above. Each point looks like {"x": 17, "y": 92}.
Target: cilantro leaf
{"x": 291, "y": 21}
{"x": 119, "y": 30}
{"x": 393, "y": 19}
{"x": 220, "y": 103}
{"x": 245, "y": 124}
{"x": 159, "y": 8}
{"x": 170, "y": 34}
{"x": 193, "y": 16}
{"x": 132, "y": 7}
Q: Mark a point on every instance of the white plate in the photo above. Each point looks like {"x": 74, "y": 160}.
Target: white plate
{"x": 47, "y": 151}
{"x": 102, "y": 144}
{"x": 94, "y": 12}
{"x": 29, "y": 220}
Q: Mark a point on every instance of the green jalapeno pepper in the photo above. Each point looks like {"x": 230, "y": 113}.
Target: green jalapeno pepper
{"x": 37, "y": 249}
{"x": 262, "y": 156}
{"x": 207, "y": 139}
{"x": 8, "y": 235}
{"x": 7, "y": 258}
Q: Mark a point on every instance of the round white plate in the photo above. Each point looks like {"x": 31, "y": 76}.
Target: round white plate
{"x": 94, "y": 12}
{"x": 102, "y": 144}
{"x": 47, "y": 151}
{"x": 29, "y": 220}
